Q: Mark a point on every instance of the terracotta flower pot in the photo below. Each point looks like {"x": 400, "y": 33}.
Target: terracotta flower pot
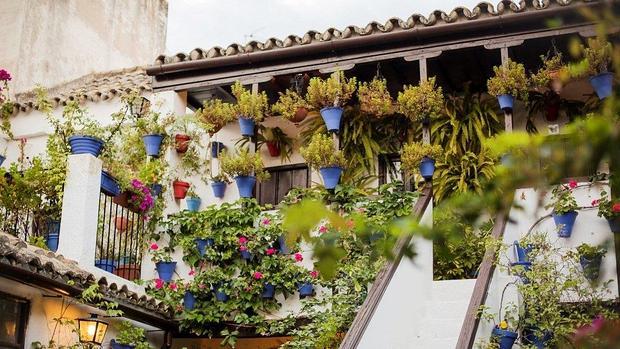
{"x": 274, "y": 148}
{"x": 181, "y": 142}
{"x": 180, "y": 189}
{"x": 121, "y": 223}
{"x": 300, "y": 115}
{"x": 128, "y": 271}
{"x": 123, "y": 200}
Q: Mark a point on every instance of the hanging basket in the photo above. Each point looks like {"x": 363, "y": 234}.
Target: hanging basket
{"x": 181, "y": 143}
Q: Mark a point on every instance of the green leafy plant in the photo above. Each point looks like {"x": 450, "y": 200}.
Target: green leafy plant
{"x": 6, "y": 105}
{"x": 607, "y": 208}
{"x": 289, "y": 104}
{"x": 131, "y": 335}
{"x": 250, "y": 105}
{"x": 160, "y": 254}
{"x": 92, "y": 295}
{"x": 597, "y": 56}
{"x": 553, "y": 68}
{"x": 321, "y": 152}
{"x": 413, "y": 153}
{"x": 462, "y": 173}
{"x": 509, "y": 79}
{"x": 590, "y": 251}
{"x": 214, "y": 115}
{"x": 375, "y": 98}
{"x": 154, "y": 122}
{"x": 421, "y": 102}
{"x": 273, "y": 135}
{"x": 244, "y": 164}
{"x": 334, "y": 91}
{"x": 563, "y": 200}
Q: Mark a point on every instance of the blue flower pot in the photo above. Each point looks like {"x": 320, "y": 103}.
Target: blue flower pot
{"x": 189, "y": 300}
{"x": 116, "y": 345}
{"x": 521, "y": 253}
{"x": 108, "y": 265}
{"x": 2, "y": 158}
{"x": 219, "y": 188}
{"x": 331, "y": 116}
{"x": 614, "y": 224}
{"x": 246, "y": 255}
{"x": 565, "y": 223}
{"x": 306, "y": 289}
{"x": 427, "y": 168}
{"x": 152, "y": 144}
{"x": 269, "y": 291}
{"x": 331, "y": 176}
{"x": 52, "y": 241}
{"x": 245, "y": 185}
{"x": 156, "y": 189}
{"x": 193, "y": 204}
{"x": 282, "y": 245}
{"x": 109, "y": 185}
{"x": 530, "y": 337}
{"x": 85, "y": 145}
{"x": 217, "y": 148}
{"x": 591, "y": 267}
{"x": 165, "y": 270}
{"x": 602, "y": 84}
{"x": 220, "y": 296}
{"x": 506, "y": 102}
{"x": 202, "y": 244}
{"x": 52, "y": 234}
{"x": 505, "y": 338}
{"x": 246, "y": 126}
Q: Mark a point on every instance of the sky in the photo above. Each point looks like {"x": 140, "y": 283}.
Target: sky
{"x": 208, "y": 23}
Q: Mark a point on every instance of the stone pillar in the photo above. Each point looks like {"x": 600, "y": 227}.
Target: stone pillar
{"x": 80, "y": 209}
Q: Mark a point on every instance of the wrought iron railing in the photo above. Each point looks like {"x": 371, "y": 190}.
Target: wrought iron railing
{"x": 120, "y": 235}
{"x": 29, "y": 224}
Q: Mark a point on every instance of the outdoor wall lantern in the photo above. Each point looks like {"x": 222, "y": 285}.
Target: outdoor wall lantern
{"x": 92, "y": 330}
{"x": 139, "y": 107}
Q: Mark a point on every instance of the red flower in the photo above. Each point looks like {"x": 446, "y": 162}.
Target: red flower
{"x": 572, "y": 184}
{"x": 322, "y": 229}
{"x": 243, "y": 248}
{"x": 154, "y": 246}
{"x": 192, "y": 272}
{"x": 159, "y": 283}
{"x": 616, "y": 207}
{"x": 595, "y": 202}
{"x": 314, "y": 274}
{"x": 298, "y": 257}
{"x": 258, "y": 275}
{"x": 270, "y": 251}
{"x": 173, "y": 286}
{"x": 202, "y": 286}
{"x": 243, "y": 240}
{"x": 266, "y": 221}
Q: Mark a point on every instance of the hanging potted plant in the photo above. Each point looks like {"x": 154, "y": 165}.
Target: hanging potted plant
{"x": 321, "y": 154}
{"x": 122, "y": 223}
{"x": 180, "y": 189}
{"x": 129, "y": 337}
{"x": 590, "y": 258}
{"x": 306, "y": 283}
{"x": 375, "y": 98}
{"x": 503, "y": 336}
{"x": 278, "y": 143}
{"x": 86, "y": 133}
{"x": 109, "y": 185}
{"x": 203, "y": 241}
{"x": 509, "y": 82}
{"x": 214, "y": 115}
{"x": 551, "y": 73}
{"x": 564, "y": 208}
{"x": 422, "y": 102}
{"x": 246, "y": 169}
{"x": 250, "y": 108}
{"x": 291, "y": 106}
{"x": 136, "y": 196}
{"x": 153, "y": 127}
{"x": 218, "y": 185}
{"x": 216, "y": 148}
{"x": 521, "y": 255}
{"x": 244, "y": 249}
{"x": 597, "y": 57}
{"x": 189, "y": 298}
{"x": 330, "y": 96}
{"x": 610, "y": 210}
{"x": 420, "y": 157}
{"x": 163, "y": 261}
{"x": 192, "y": 200}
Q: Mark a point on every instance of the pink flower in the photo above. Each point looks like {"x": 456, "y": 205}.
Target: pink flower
{"x": 154, "y": 246}
{"x": 258, "y": 275}
{"x": 192, "y": 272}
{"x": 202, "y": 286}
{"x": 266, "y": 221}
{"x": 595, "y": 202}
{"x": 243, "y": 248}
{"x": 350, "y": 224}
{"x": 270, "y": 251}
{"x": 4, "y": 75}
{"x": 243, "y": 240}
{"x": 159, "y": 283}
{"x": 322, "y": 229}
{"x": 298, "y": 257}
{"x": 173, "y": 286}
{"x": 572, "y": 184}
{"x": 616, "y": 207}
{"x": 314, "y": 274}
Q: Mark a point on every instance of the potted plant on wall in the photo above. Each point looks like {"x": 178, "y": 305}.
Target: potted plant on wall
{"x": 503, "y": 336}
{"x": 87, "y": 134}
{"x": 180, "y": 189}
{"x": 307, "y": 280}
{"x": 129, "y": 337}
{"x": 152, "y": 173}
{"x": 330, "y": 96}
{"x": 218, "y": 185}
{"x": 551, "y": 73}
{"x": 420, "y": 157}
{"x": 509, "y": 82}
{"x": 154, "y": 128}
{"x": 163, "y": 261}
{"x": 564, "y": 208}
{"x": 250, "y": 108}
{"x": 246, "y": 169}
{"x": 216, "y": 148}
{"x": 422, "y": 102}
{"x": 291, "y": 106}
{"x": 321, "y": 154}
{"x": 278, "y": 143}
{"x": 610, "y": 210}
{"x": 597, "y": 57}
{"x": 590, "y": 258}
{"x": 214, "y": 115}
{"x": 192, "y": 200}
{"x": 184, "y": 132}
{"x": 6, "y": 106}
{"x": 375, "y": 98}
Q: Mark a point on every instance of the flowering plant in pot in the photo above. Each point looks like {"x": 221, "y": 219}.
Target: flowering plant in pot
{"x": 152, "y": 173}
{"x": 307, "y": 279}
{"x": 291, "y": 106}
{"x": 321, "y": 154}
{"x": 590, "y": 258}
{"x": 218, "y": 185}
{"x": 330, "y": 95}
{"x": 597, "y": 57}
{"x": 250, "y": 108}
{"x": 163, "y": 261}
{"x": 420, "y": 157}
{"x": 246, "y": 169}
{"x": 374, "y": 97}
{"x": 130, "y": 337}
{"x": 509, "y": 82}
{"x": 6, "y": 105}
{"x": 192, "y": 200}
{"x": 564, "y": 208}
{"x": 214, "y": 115}
{"x": 610, "y": 210}
{"x": 422, "y": 102}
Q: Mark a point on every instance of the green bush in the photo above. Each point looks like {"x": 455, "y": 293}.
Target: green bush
{"x": 243, "y": 164}
{"x": 288, "y": 104}
{"x": 321, "y": 152}
{"x": 335, "y": 91}
{"x": 413, "y": 153}
{"x": 375, "y": 98}
{"x": 421, "y": 102}
{"x": 250, "y": 105}
{"x": 509, "y": 79}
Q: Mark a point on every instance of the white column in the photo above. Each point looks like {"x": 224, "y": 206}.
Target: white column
{"x": 80, "y": 209}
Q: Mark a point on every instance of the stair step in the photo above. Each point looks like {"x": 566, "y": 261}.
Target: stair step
{"x": 452, "y": 290}
{"x": 440, "y": 328}
{"x": 449, "y": 310}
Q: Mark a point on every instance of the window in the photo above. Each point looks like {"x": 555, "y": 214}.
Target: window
{"x": 13, "y": 319}
{"x": 389, "y": 171}
{"x": 283, "y": 179}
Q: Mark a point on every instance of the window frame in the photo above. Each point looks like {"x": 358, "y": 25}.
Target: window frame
{"x": 278, "y": 170}
{"x": 24, "y": 305}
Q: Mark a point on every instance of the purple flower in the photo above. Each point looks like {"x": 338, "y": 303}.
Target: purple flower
{"x": 4, "y": 75}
